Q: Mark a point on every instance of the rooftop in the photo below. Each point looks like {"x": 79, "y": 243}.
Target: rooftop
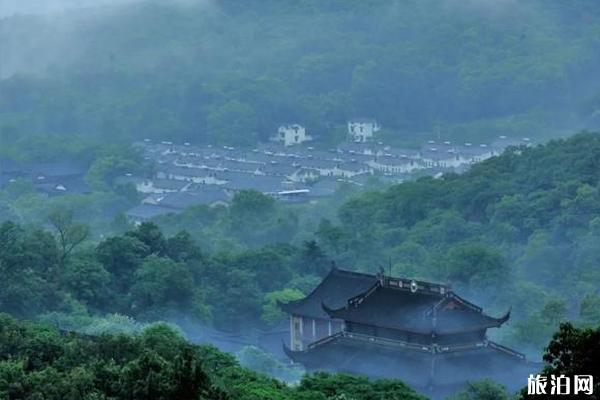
{"x": 417, "y": 307}
{"x": 335, "y": 289}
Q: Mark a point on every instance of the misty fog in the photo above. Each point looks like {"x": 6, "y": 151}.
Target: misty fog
{"x": 205, "y": 162}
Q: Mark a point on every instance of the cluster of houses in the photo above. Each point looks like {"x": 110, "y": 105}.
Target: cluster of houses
{"x": 52, "y": 178}
{"x": 289, "y": 168}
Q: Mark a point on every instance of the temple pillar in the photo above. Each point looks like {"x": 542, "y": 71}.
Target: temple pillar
{"x": 296, "y": 333}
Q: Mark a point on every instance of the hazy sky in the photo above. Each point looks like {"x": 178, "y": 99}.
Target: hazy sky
{"x": 12, "y": 7}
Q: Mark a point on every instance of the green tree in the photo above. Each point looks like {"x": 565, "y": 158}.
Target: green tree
{"x": 161, "y": 284}
{"x": 271, "y": 313}
{"x": 151, "y": 235}
{"x": 87, "y": 280}
{"x": 105, "y": 169}
{"x": 232, "y": 123}
{"x": 69, "y": 234}
{"x": 589, "y": 310}
{"x": 312, "y": 259}
{"x": 251, "y": 206}
{"x": 476, "y": 265}
{"x": 482, "y": 390}
{"x": 573, "y": 352}
{"x": 121, "y": 256}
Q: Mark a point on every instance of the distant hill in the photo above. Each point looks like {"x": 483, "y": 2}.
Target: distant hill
{"x": 231, "y": 71}
{"x": 520, "y": 230}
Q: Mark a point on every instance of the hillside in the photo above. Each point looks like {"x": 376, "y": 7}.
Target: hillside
{"x": 517, "y": 231}
{"x": 37, "y": 361}
{"x": 221, "y": 72}
{"x": 524, "y": 224}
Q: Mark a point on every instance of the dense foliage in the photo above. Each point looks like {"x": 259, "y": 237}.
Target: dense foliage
{"x": 572, "y": 352}
{"x": 230, "y": 72}
{"x": 518, "y": 230}
{"x": 525, "y": 224}
{"x": 38, "y": 362}
{"x": 521, "y": 230}
{"x": 149, "y": 276}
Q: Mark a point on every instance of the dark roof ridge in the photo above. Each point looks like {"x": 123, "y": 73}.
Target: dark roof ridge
{"x": 349, "y": 272}
{"x": 463, "y": 301}
{"x": 334, "y": 270}
{"x": 380, "y": 284}
{"x": 302, "y": 300}
{"x": 399, "y": 284}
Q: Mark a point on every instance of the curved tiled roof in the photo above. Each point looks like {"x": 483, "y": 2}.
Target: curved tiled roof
{"x": 419, "y": 310}
{"x": 337, "y": 287}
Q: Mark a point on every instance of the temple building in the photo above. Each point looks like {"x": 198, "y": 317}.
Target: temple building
{"x": 384, "y": 327}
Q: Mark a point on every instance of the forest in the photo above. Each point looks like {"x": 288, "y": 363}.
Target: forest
{"x": 93, "y": 306}
{"x": 229, "y": 73}
{"x": 38, "y": 361}
{"x": 524, "y": 224}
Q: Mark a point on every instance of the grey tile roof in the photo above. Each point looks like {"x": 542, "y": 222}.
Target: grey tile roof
{"x": 69, "y": 186}
{"x": 9, "y": 167}
{"x": 352, "y": 166}
{"x": 261, "y": 183}
{"x": 56, "y": 169}
{"x": 317, "y": 163}
{"x": 337, "y": 287}
{"x": 186, "y": 172}
{"x": 473, "y": 150}
{"x": 169, "y": 184}
{"x": 278, "y": 169}
{"x": 393, "y": 161}
{"x": 402, "y": 153}
{"x": 435, "y": 154}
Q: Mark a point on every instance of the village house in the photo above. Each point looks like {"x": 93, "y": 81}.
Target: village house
{"x": 58, "y": 178}
{"x": 291, "y": 134}
{"x": 266, "y": 184}
{"x": 361, "y": 130}
{"x": 393, "y": 165}
{"x": 472, "y": 154}
{"x": 334, "y": 168}
{"x": 305, "y": 175}
{"x": 278, "y": 166}
{"x": 196, "y": 175}
{"x": 503, "y": 142}
{"x": 161, "y": 186}
{"x": 444, "y": 158}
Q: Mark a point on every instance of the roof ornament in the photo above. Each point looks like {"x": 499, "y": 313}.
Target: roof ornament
{"x": 381, "y": 275}
{"x": 413, "y": 286}
{"x": 333, "y": 265}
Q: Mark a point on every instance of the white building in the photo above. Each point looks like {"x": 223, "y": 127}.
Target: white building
{"x": 392, "y": 165}
{"x": 291, "y": 134}
{"x": 362, "y": 130}
{"x": 442, "y": 155}
{"x": 471, "y": 154}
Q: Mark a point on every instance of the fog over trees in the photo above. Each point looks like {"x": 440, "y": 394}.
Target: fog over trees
{"x": 96, "y": 305}
{"x": 230, "y": 72}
